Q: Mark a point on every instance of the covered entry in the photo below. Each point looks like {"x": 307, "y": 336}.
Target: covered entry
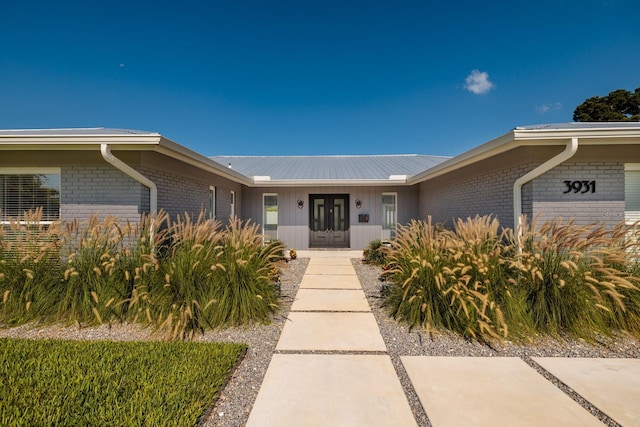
{"x": 329, "y": 220}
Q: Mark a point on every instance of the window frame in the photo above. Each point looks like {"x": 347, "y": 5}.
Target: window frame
{"x": 22, "y": 170}
{"x": 634, "y": 168}
{"x": 232, "y": 204}
{"x": 389, "y": 232}
{"x": 212, "y": 202}
{"x": 264, "y": 215}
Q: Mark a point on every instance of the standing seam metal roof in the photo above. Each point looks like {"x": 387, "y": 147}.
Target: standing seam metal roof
{"x": 377, "y": 167}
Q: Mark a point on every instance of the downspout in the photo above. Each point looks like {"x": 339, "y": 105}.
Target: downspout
{"x": 119, "y": 164}
{"x": 569, "y": 151}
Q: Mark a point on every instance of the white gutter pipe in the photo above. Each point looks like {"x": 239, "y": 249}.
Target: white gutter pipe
{"x": 569, "y": 151}
{"x": 119, "y": 164}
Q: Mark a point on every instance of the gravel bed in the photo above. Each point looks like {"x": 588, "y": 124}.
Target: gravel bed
{"x": 401, "y": 341}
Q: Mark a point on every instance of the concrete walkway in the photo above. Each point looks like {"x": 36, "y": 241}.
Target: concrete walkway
{"x": 331, "y": 368}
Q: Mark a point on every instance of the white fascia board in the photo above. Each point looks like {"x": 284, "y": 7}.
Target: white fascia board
{"x": 73, "y": 140}
{"x": 325, "y": 182}
{"x": 77, "y": 142}
{"x": 603, "y": 133}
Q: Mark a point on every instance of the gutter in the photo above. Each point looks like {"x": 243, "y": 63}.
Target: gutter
{"x": 569, "y": 151}
{"x": 119, "y": 164}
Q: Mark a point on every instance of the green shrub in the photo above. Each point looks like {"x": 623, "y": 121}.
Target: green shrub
{"x": 49, "y": 382}
{"x": 376, "y": 252}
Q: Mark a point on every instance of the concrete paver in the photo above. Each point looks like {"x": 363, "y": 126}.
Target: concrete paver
{"x": 330, "y": 281}
{"x": 330, "y": 261}
{"x": 331, "y": 331}
{"x": 490, "y": 391}
{"x": 331, "y": 390}
{"x": 330, "y": 269}
{"x": 330, "y": 300}
{"x": 329, "y": 254}
{"x": 612, "y": 385}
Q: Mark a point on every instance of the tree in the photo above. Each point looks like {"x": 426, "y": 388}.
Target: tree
{"x": 619, "y": 106}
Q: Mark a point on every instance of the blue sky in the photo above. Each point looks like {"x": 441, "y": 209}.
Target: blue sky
{"x": 312, "y": 77}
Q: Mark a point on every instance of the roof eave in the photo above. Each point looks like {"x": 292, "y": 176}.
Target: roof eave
{"x": 530, "y": 137}
{"x": 179, "y": 152}
{"x": 603, "y": 132}
{"x": 327, "y": 182}
{"x": 134, "y": 142}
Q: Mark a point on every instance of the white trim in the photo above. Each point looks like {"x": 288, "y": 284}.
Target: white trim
{"x": 632, "y": 166}
{"x": 395, "y": 210}
{"x": 232, "y": 204}
{"x": 29, "y": 170}
{"x": 212, "y": 202}
{"x": 264, "y": 213}
{"x": 26, "y": 170}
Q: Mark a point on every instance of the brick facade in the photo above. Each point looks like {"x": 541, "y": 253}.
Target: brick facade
{"x": 484, "y": 188}
{"x": 96, "y": 190}
{"x": 606, "y": 204}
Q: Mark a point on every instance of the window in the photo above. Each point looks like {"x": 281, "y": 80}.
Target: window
{"x": 232, "y": 206}
{"x": 212, "y": 202}
{"x": 24, "y": 189}
{"x": 632, "y": 192}
{"x": 270, "y": 217}
{"x": 632, "y": 202}
{"x": 389, "y": 215}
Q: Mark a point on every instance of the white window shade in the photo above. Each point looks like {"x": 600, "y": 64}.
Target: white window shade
{"x": 23, "y": 190}
{"x": 632, "y": 192}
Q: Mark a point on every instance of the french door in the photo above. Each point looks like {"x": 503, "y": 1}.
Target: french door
{"x": 329, "y": 220}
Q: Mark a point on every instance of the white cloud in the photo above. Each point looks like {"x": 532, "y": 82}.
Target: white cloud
{"x": 478, "y": 82}
{"x": 545, "y": 108}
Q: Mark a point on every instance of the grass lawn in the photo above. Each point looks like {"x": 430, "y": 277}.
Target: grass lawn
{"x": 53, "y": 382}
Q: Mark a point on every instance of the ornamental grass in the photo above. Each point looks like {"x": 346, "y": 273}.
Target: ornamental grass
{"x": 180, "y": 277}
{"x": 484, "y": 282}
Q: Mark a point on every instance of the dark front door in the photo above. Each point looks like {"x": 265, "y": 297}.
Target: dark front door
{"x": 329, "y": 221}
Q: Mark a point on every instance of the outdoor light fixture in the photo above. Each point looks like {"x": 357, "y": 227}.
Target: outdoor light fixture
{"x": 300, "y": 204}
{"x": 358, "y": 203}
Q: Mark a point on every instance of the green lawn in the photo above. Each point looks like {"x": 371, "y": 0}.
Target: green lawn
{"x": 52, "y": 382}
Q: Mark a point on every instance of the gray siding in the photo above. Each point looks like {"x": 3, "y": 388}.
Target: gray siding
{"x": 293, "y": 223}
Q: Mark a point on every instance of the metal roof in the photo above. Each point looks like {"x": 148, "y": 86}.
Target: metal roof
{"x": 73, "y": 132}
{"x": 378, "y": 167}
{"x": 581, "y": 125}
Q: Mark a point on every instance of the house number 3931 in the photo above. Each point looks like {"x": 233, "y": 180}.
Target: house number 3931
{"x": 580, "y": 187}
